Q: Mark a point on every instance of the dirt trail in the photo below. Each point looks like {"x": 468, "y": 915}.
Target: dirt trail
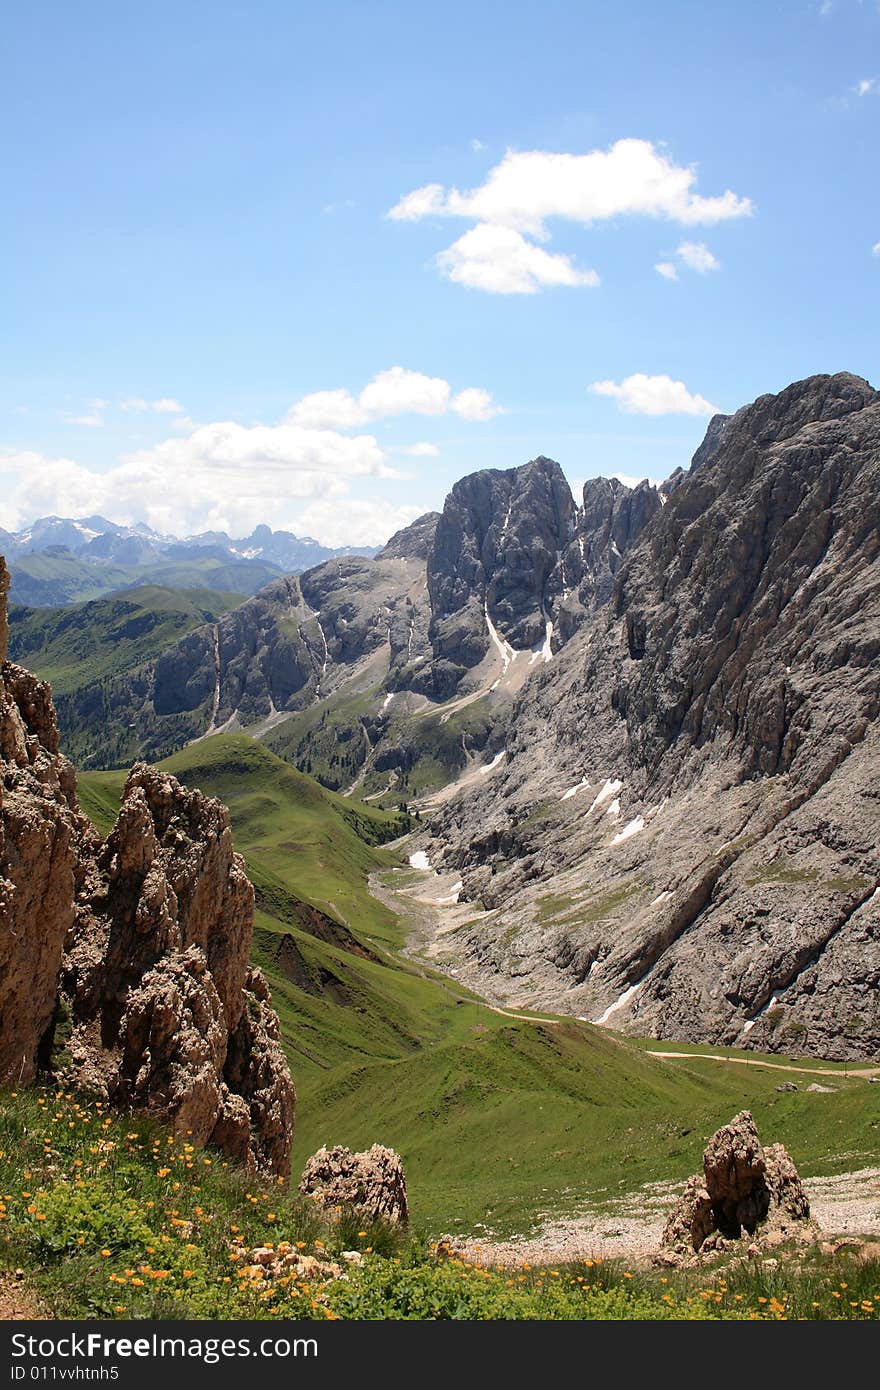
{"x": 772, "y": 1066}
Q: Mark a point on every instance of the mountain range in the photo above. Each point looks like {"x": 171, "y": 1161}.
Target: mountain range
{"x": 640, "y": 731}
{"x": 58, "y": 560}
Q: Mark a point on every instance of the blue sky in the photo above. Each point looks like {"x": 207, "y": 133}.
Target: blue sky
{"x": 197, "y": 241}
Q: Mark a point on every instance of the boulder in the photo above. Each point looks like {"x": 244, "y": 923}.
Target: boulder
{"x": 369, "y": 1184}
{"x": 744, "y": 1190}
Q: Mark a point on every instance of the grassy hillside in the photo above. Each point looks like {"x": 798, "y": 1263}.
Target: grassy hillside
{"x": 497, "y": 1118}
{"x": 86, "y": 642}
{"x": 327, "y": 740}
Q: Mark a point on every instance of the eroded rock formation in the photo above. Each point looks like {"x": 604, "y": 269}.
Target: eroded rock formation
{"x": 370, "y": 1184}
{"x": 40, "y": 829}
{"x": 744, "y": 1191}
{"x": 166, "y": 1014}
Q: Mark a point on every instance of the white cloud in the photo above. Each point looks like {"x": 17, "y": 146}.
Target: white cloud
{"x": 697, "y": 255}
{"x": 529, "y": 187}
{"x": 352, "y": 521}
{"x": 422, "y": 450}
{"x": 875, "y": 249}
{"x": 401, "y": 392}
{"x": 667, "y": 270}
{"x": 397, "y": 391}
{"x": 475, "y": 404}
{"x": 477, "y": 145}
{"x": 166, "y": 405}
{"x": 93, "y": 421}
{"x": 501, "y": 261}
{"x": 327, "y": 410}
{"x": 653, "y": 395}
{"x": 865, "y": 87}
{"x": 222, "y": 476}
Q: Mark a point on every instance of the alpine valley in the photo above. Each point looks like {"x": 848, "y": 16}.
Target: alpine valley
{"x": 495, "y": 846}
{"x": 640, "y": 734}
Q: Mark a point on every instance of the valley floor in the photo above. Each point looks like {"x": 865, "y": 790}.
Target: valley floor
{"x": 626, "y": 1227}
{"x": 630, "y": 1227}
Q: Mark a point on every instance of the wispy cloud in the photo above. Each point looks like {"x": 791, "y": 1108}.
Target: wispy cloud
{"x": 697, "y": 255}
{"x": 91, "y": 421}
{"x": 165, "y": 405}
{"x": 693, "y": 254}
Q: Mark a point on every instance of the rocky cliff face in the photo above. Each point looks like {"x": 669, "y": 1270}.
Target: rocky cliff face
{"x": 495, "y": 558}
{"x": 143, "y": 941}
{"x": 682, "y": 838}
{"x": 41, "y": 829}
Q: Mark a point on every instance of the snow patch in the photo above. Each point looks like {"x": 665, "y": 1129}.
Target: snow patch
{"x": 618, "y": 1003}
{"x": 661, "y": 897}
{"x": 544, "y": 652}
{"x": 387, "y": 701}
{"x": 578, "y": 787}
{"x": 494, "y": 763}
{"x": 505, "y": 650}
{"x": 614, "y": 808}
{"x": 629, "y": 830}
{"x": 609, "y": 788}
{"x": 452, "y": 896}
{"x": 419, "y": 860}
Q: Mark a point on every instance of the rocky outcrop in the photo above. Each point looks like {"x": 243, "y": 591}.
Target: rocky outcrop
{"x": 41, "y": 830}
{"x": 745, "y": 1192}
{"x": 166, "y": 1014}
{"x": 370, "y": 1185}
